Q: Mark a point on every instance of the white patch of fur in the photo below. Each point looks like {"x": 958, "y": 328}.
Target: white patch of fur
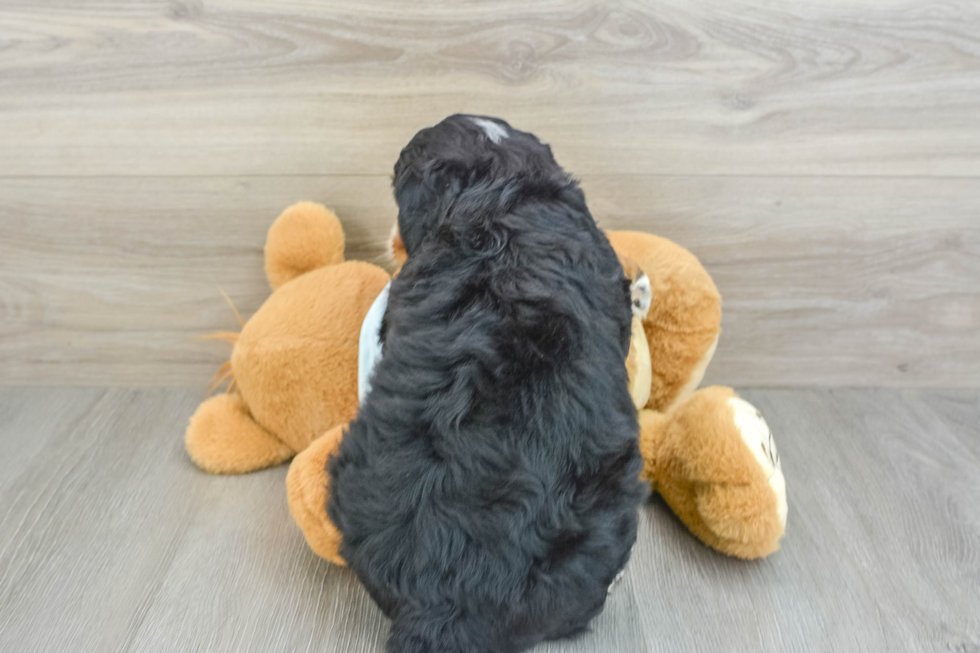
{"x": 758, "y": 438}
{"x": 621, "y": 574}
{"x": 369, "y": 345}
{"x": 619, "y": 577}
{"x": 642, "y": 295}
{"x": 494, "y": 132}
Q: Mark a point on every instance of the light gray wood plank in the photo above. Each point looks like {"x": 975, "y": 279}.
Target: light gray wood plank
{"x": 670, "y": 87}
{"x": 94, "y": 517}
{"x": 28, "y": 431}
{"x": 825, "y": 281}
{"x": 828, "y": 281}
{"x": 880, "y": 552}
{"x": 110, "y": 539}
{"x": 111, "y": 281}
{"x": 957, "y": 410}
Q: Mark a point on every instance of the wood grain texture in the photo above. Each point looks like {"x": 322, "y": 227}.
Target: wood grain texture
{"x": 111, "y": 540}
{"x": 880, "y": 550}
{"x": 826, "y": 281}
{"x": 822, "y": 158}
{"x": 176, "y": 87}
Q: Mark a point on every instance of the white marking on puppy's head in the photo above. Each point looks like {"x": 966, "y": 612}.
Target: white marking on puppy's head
{"x": 494, "y": 132}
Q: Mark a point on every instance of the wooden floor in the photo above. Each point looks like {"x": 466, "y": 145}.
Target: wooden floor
{"x": 111, "y": 539}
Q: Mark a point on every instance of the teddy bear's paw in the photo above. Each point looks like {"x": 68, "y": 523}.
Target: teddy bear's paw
{"x": 222, "y": 438}
{"x": 641, "y": 295}
{"x": 305, "y": 237}
{"x": 758, "y": 437}
{"x": 742, "y": 520}
{"x": 714, "y": 462}
{"x": 307, "y": 488}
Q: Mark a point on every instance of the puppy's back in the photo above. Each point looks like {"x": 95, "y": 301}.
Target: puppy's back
{"x": 487, "y": 491}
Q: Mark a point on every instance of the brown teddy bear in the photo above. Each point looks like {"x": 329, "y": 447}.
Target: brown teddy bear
{"x": 298, "y": 365}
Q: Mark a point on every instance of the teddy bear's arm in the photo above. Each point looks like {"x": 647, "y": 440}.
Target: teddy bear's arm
{"x": 702, "y": 458}
{"x": 222, "y": 438}
{"x": 307, "y": 487}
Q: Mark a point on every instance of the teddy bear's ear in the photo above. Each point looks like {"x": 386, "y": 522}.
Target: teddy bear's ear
{"x": 684, "y": 317}
{"x": 631, "y": 268}
{"x": 641, "y": 293}
{"x": 396, "y": 250}
{"x": 306, "y": 236}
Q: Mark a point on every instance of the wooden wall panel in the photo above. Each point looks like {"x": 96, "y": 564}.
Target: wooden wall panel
{"x": 230, "y": 87}
{"x": 825, "y": 280}
{"x": 822, "y": 158}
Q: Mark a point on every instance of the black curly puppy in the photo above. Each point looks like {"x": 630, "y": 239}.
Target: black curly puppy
{"x": 487, "y": 491}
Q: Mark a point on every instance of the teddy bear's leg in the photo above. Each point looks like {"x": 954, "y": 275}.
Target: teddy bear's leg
{"x": 742, "y": 518}
{"x": 304, "y": 237}
{"x": 714, "y": 461}
{"x": 307, "y": 487}
{"x": 684, "y": 319}
{"x": 222, "y": 438}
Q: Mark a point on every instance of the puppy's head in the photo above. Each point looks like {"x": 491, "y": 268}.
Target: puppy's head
{"x": 465, "y": 161}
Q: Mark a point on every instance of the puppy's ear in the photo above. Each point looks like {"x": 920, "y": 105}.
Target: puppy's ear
{"x": 415, "y": 206}
{"x": 424, "y": 196}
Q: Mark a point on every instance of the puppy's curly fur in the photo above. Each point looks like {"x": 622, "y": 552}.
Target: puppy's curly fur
{"x": 487, "y": 490}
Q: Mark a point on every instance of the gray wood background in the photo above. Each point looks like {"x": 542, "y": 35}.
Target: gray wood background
{"x": 822, "y": 158}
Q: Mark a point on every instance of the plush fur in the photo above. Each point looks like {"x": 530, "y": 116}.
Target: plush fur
{"x": 696, "y": 459}
{"x": 684, "y": 321}
{"x": 293, "y": 368}
{"x": 487, "y": 490}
